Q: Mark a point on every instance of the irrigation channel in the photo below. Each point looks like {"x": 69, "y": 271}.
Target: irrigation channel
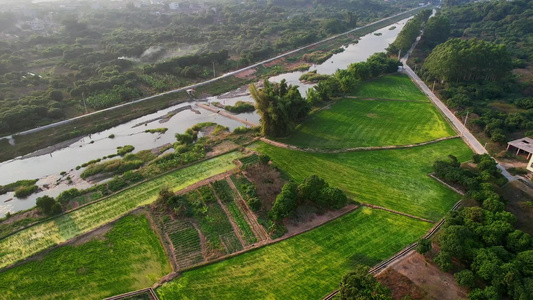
{"x": 47, "y": 164}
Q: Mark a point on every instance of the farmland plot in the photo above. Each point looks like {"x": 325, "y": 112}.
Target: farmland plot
{"x": 185, "y": 241}
{"x": 307, "y": 266}
{"x": 212, "y": 221}
{"x": 396, "y": 179}
{"x": 226, "y": 195}
{"x": 396, "y": 86}
{"x": 128, "y": 257}
{"x": 353, "y": 123}
{"x": 37, "y": 238}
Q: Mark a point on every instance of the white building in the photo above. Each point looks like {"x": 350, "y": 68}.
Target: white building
{"x": 174, "y": 6}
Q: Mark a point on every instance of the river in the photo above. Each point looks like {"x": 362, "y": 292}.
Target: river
{"x": 48, "y": 167}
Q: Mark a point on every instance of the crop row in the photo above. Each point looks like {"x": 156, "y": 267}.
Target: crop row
{"x": 44, "y": 235}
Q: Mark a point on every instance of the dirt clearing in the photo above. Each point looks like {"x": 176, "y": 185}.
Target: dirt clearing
{"x": 428, "y": 277}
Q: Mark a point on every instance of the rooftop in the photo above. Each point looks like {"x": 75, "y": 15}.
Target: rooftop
{"x": 525, "y": 144}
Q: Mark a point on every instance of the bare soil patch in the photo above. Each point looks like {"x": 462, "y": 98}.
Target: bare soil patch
{"x": 428, "y": 277}
{"x": 308, "y": 218}
{"x": 268, "y": 183}
{"x": 401, "y": 286}
{"x": 34, "y": 213}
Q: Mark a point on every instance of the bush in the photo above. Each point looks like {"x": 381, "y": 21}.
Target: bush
{"x": 424, "y": 245}
{"x": 465, "y": 278}
{"x": 68, "y": 195}
{"x": 264, "y": 159}
{"x": 48, "y": 205}
{"x": 286, "y": 202}
{"x": 25, "y": 191}
{"x": 254, "y": 203}
{"x": 125, "y": 150}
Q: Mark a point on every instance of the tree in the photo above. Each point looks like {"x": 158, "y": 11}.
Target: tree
{"x": 48, "y": 205}
{"x": 459, "y": 60}
{"x": 465, "y": 278}
{"x": 436, "y": 31}
{"x": 280, "y": 107}
{"x": 518, "y": 241}
{"x": 286, "y": 202}
{"x": 264, "y": 159}
{"x": 424, "y": 245}
{"x": 359, "y": 284}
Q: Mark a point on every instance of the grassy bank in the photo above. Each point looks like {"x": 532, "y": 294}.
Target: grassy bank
{"x": 52, "y": 232}
{"x": 396, "y": 179}
{"x": 307, "y": 266}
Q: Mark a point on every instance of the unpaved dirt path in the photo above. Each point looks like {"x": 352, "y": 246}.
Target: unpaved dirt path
{"x": 258, "y": 230}
{"x": 356, "y": 149}
{"x": 226, "y": 114}
{"x": 236, "y": 228}
{"x": 398, "y": 213}
{"x": 206, "y": 181}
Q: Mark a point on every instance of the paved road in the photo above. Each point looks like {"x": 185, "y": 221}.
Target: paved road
{"x": 53, "y": 125}
{"x": 467, "y": 136}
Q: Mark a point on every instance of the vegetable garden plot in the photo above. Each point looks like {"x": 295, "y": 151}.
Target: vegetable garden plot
{"x": 212, "y": 220}
{"x": 39, "y": 237}
{"x": 186, "y": 242}
{"x": 227, "y": 196}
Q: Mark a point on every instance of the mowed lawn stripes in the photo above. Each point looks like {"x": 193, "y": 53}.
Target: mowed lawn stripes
{"x": 396, "y": 179}
{"x": 351, "y": 123}
{"x": 397, "y": 86}
{"x": 307, "y": 266}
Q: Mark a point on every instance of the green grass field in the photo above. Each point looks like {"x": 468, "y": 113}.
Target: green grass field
{"x": 397, "y": 86}
{"x": 396, "y": 179}
{"x": 362, "y": 123}
{"x": 307, "y": 266}
{"x": 129, "y": 257}
{"x": 37, "y": 238}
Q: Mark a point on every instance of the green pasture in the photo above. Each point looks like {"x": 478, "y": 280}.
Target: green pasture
{"x": 39, "y": 237}
{"x": 129, "y": 257}
{"x": 396, "y": 179}
{"x": 353, "y": 123}
{"x": 307, "y": 266}
{"x": 396, "y": 86}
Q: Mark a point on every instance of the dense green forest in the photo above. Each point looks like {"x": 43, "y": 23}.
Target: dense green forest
{"x": 113, "y": 56}
{"x": 479, "y": 56}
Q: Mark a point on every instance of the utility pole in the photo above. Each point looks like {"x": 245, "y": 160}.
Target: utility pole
{"x": 84, "y": 104}
{"x": 214, "y": 73}
{"x": 433, "y": 89}
{"x": 466, "y": 119}
{"x": 399, "y": 54}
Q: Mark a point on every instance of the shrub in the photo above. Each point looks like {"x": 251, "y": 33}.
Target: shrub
{"x": 264, "y": 159}
{"x": 25, "y": 191}
{"x": 68, "y": 195}
{"x": 424, "y": 245}
{"x": 48, "y": 205}
{"x": 465, "y": 278}
{"x": 125, "y": 150}
{"x": 254, "y": 203}
{"x": 286, "y": 202}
